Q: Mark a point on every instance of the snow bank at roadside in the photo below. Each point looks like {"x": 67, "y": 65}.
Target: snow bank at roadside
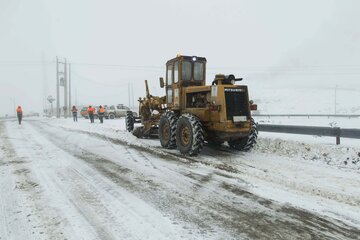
{"x": 341, "y": 156}
{"x": 312, "y": 148}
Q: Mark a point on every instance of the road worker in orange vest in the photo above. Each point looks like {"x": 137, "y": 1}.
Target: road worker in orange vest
{"x": 91, "y": 112}
{"x": 101, "y": 113}
{"x": 19, "y": 113}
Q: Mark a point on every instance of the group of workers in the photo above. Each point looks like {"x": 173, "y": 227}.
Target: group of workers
{"x": 90, "y": 110}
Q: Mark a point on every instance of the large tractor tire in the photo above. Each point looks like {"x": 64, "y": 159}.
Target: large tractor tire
{"x": 189, "y": 135}
{"x": 129, "y": 121}
{"x": 246, "y": 143}
{"x": 167, "y": 130}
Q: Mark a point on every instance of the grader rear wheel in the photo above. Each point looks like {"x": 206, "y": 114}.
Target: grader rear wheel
{"x": 189, "y": 135}
{"x": 167, "y": 130}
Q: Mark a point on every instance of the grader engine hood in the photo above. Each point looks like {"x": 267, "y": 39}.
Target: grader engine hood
{"x": 234, "y": 102}
{"x": 237, "y": 104}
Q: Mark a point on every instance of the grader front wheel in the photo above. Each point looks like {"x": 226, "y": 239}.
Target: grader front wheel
{"x": 129, "y": 121}
{"x": 246, "y": 143}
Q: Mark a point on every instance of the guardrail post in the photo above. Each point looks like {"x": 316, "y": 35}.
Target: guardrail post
{"x": 337, "y": 133}
{"x": 337, "y": 140}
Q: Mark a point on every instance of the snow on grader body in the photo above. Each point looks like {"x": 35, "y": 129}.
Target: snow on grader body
{"x": 191, "y": 113}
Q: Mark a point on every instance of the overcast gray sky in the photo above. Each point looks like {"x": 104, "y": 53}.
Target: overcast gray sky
{"x": 113, "y": 43}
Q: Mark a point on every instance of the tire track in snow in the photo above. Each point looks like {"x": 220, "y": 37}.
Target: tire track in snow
{"x": 159, "y": 152}
{"x": 98, "y": 200}
{"x": 21, "y": 198}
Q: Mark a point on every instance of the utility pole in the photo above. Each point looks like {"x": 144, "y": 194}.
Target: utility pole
{"x": 57, "y": 89}
{"x": 62, "y": 82}
{"x": 45, "y": 83}
{"x": 51, "y": 100}
{"x": 69, "y": 88}
{"x": 65, "y": 90}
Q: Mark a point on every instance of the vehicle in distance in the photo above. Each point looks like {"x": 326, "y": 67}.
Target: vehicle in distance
{"x": 117, "y": 111}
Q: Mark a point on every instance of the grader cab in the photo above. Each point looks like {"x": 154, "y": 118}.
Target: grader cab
{"x": 192, "y": 112}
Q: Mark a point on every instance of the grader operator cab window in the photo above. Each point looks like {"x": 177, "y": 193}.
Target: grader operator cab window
{"x": 186, "y": 71}
{"x": 176, "y": 72}
{"x": 169, "y": 74}
{"x": 169, "y": 95}
{"x": 192, "y": 70}
{"x": 198, "y": 71}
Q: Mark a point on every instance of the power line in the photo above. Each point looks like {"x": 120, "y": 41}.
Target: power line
{"x": 302, "y": 67}
{"x": 116, "y": 65}
{"x": 102, "y": 83}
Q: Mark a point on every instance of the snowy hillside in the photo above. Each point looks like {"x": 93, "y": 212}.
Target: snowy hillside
{"x": 298, "y": 95}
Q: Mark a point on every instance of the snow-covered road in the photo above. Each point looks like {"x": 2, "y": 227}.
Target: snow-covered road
{"x": 65, "y": 180}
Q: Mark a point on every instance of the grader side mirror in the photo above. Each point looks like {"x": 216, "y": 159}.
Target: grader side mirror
{"x": 162, "y": 82}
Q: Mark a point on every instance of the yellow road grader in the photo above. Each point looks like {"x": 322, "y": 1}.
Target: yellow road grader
{"x": 192, "y": 112}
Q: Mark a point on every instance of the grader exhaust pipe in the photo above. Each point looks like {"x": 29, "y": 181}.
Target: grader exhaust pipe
{"x": 147, "y": 89}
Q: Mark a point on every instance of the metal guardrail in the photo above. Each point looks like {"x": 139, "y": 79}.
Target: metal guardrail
{"x": 350, "y": 133}
{"x": 309, "y": 115}
{"x": 311, "y": 130}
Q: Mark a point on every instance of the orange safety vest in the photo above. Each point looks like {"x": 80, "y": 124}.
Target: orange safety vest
{"x": 19, "y": 110}
{"x": 102, "y": 110}
{"x": 91, "y": 110}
